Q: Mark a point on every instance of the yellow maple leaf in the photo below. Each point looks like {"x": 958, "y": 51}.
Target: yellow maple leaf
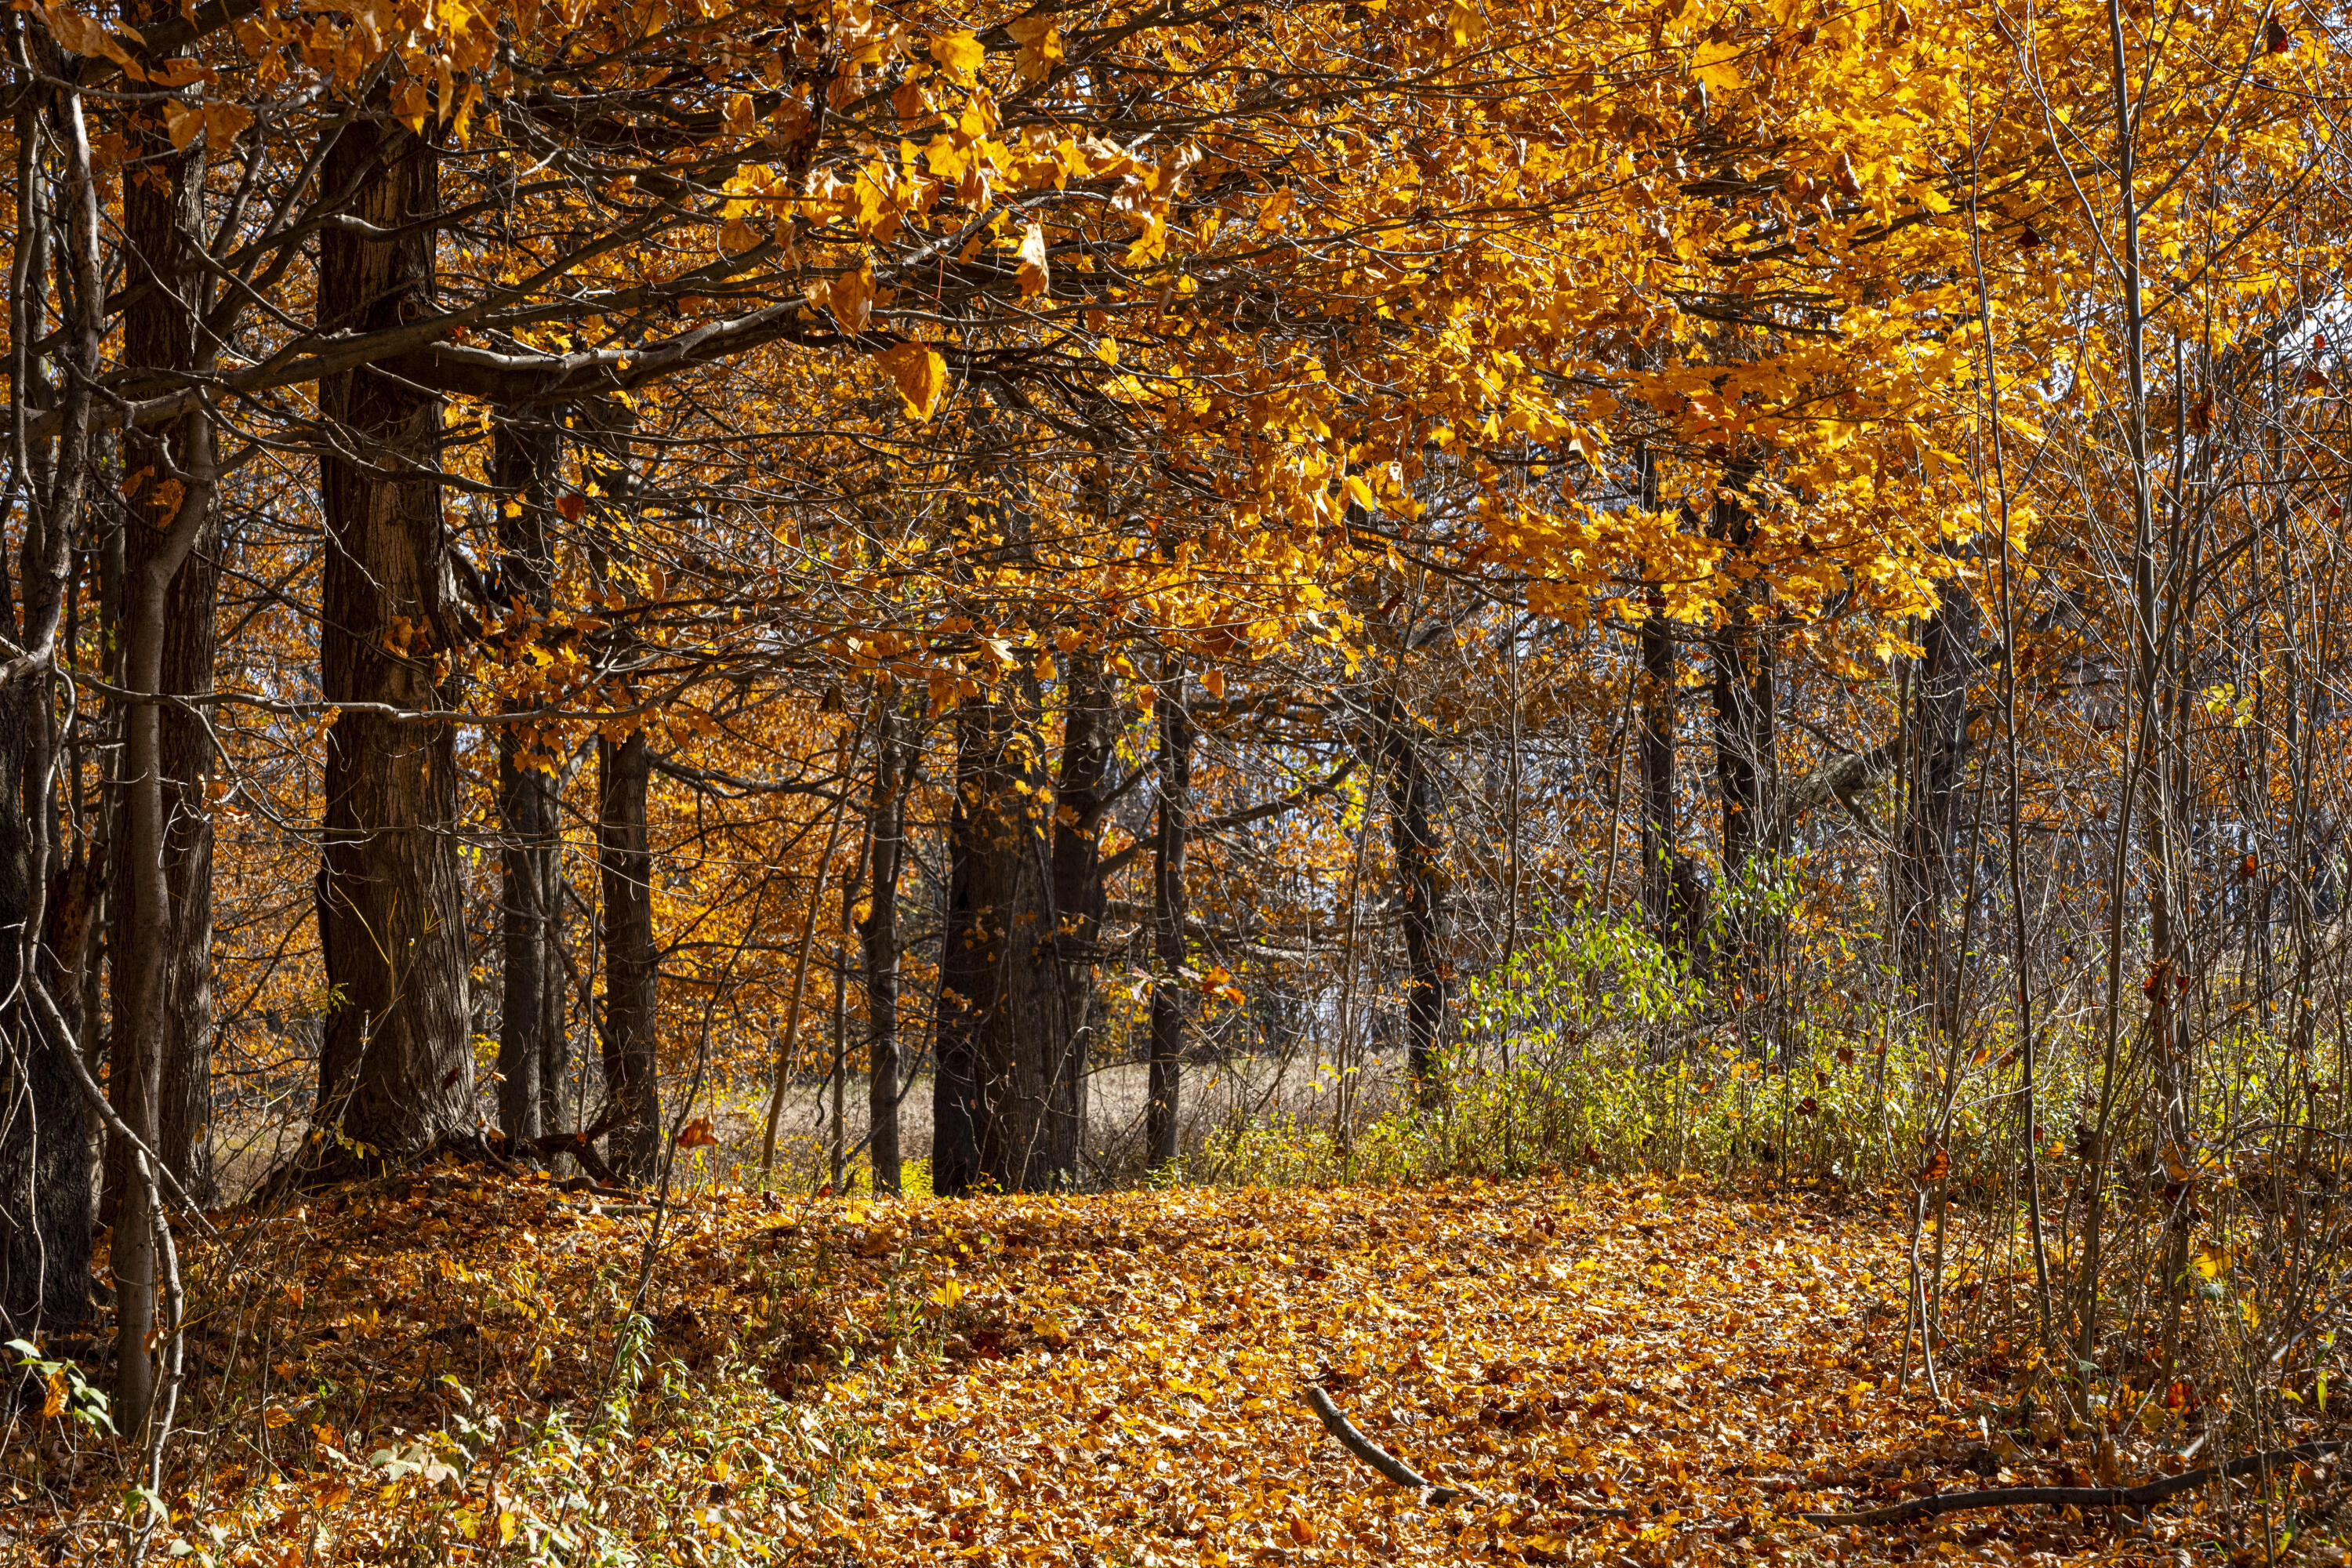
{"x": 410, "y": 104}
{"x": 1034, "y": 275}
{"x": 921, "y": 375}
{"x": 850, "y": 298}
{"x": 1716, "y": 67}
{"x": 958, "y": 55}
{"x": 1041, "y": 45}
{"x": 182, "y": 121}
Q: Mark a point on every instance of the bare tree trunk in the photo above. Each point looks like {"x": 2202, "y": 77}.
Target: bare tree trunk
{"x": 1744, "y": 748}
{"x": 837, "y": 1156}
{"x": 163, "y": 215}
{"x": 530, "y": 1012}
{"x": 397, "y": 1073}
{"x": 1935, "y": 758}
{"x": 46, "y": 1163}
{"x": 998, "y": 985}
{"x": 1415, "y": 800}
{"x": 1089, "y": 731}
{"x": 966, "y": 973}
{"x": 190, "y": 638}
{"x": 1170, "y": 838}
{"x": 895, "y": 761}
{"x": 625, "y": 863}
{"x": 1659, "y": 685}
{"x": 1657, "y": 757}
{"x": 46, "y": 1133}
{"x": 168, "y": 489}
{"x": 1742, "y": 677}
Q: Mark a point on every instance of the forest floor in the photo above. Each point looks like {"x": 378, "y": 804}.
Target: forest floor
{"x": 437, "y": 1370}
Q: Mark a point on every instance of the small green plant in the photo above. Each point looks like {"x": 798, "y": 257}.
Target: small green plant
{"x": 67, "y": 1393}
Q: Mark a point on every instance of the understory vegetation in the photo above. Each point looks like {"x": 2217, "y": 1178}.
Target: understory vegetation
{"x": 1174, "y": 781}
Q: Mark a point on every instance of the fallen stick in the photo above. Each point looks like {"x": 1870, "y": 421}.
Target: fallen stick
{"x": 2076, "y": 1497}
{"x": 1379, "y": 1459}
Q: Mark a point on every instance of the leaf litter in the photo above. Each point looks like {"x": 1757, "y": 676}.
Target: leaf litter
{"x": 1645, "y": 1372}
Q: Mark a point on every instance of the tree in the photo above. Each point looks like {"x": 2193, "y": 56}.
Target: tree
{"x": 397, "y": 1074}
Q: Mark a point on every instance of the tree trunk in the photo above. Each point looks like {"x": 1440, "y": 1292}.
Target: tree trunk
{"x": 1740, "y": 684}
{"x": 1934, "y": 756}
{"x": 190, "y": 638}
{"x": 1089, "y": 732}
{"x": 1413, "y": 804}
{"x": 1657, "y": 754}
{"x": 160, "y": 1075}
{"x": 531, "y": 1014}
{"x": 626, "y": 864}
{"x": 896, "y": 757}
{"x": 1170, "y": 837}
{"x": 1745, "y": 745}
{"x": 46, "y": 1148}
{"x": 162, "y": 210}
{"x": 46, "y": 1165}
{"x": 397, "y": 1074}
{"x": 992, "y": 1123}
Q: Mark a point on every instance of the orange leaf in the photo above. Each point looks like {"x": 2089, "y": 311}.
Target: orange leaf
{"x": 1034, "y": 275}
{"x": 921, "y": 375}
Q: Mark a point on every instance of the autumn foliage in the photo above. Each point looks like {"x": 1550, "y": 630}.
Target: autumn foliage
{"x": 797, "y": 778}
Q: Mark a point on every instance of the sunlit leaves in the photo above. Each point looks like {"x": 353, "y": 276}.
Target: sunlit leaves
{"x": 958, "y": 55}
{"x": 920, "y": 373}
{"x": 850, "y": 296}
{"x": 1035, "y": 276}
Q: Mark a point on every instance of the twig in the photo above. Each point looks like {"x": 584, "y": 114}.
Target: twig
{"x": 1379, "y": 1459}
{"x": 2076, "y": 1497}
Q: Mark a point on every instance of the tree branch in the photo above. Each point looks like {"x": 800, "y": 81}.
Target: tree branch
{"x": 2077, "y": 1497}
{"x": 1379, "y": 1459}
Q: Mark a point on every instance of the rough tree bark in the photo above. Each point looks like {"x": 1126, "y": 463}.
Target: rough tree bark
{"x": 1745, "y": 748}
{"x": 1089, "y": 733}
{"x": 397, "y": 1072}
{"x": 1935, "y": 757}
{"x": 46, "y": 1164}
{"x": 532, "y": 1042}
{"x": 1415, "y": 800}
{"x": 894, "y": 775}
{"x": 1741, "y": 685}
{"x": 995, "y": 1116}
{"x": 1171, "y": 836}
{"x": 1657, "y": 762}
{"x": 625, "y": 862}
{"x": 47, "y": 1151}
{"x": 170, "y": 636}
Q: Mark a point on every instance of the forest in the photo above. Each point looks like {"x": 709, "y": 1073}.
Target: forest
{"x": 1565, "y": 781}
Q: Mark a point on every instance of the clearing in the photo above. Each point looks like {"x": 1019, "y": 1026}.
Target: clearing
{"x": 432, "y": 1370}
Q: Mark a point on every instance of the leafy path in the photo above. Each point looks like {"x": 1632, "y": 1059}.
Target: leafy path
{"x": 1631, "y": 1374}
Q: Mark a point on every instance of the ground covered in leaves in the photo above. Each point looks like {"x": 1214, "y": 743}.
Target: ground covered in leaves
{"x": 447, "y": 1370}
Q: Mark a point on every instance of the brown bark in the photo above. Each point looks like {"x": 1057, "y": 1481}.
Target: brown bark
{"x": 994, "y": 1121}
{"x": 47, "y": 1213}
{"x": 168, "y": 1049}
{"x": 1415, "y": 800}
{"x": 1657, "y": 689}
{"x": 1934, "y": 756}
{"x": 896, "y": 757}
{"x": 1747, "y": 766}
{"x": 625, "y": 862}
{"x": 1089, "y": 733}
{"x": 44, "y": 1148}
{"x": 1742, "y": 685}
{"x": 397, "y": 1073}
{"x": 532, "y": 1042}
{"x": 1172, "y": 836}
